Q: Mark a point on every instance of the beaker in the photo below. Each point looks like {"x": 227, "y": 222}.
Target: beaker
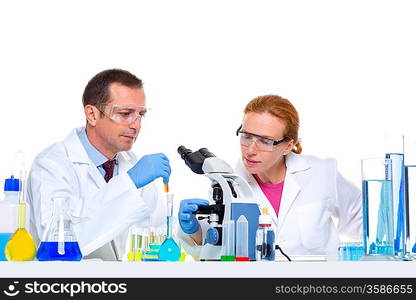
{"x": 377, "y": 195}
{"x": 59, "y": 241}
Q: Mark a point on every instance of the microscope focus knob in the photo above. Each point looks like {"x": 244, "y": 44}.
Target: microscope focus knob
{"x": 213, "y": 236}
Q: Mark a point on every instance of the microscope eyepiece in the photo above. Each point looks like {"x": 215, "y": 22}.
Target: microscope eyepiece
{"x": 205, "y": 152}
{"x": 194, "y": 160}
{"x": 183, "y": 151}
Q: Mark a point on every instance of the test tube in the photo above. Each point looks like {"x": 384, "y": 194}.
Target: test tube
{"x": 399, "y": 207}
{"x": 228, "y": 241}
{"x": 242, "y": 239}
{"x": 411, "y": 204}
{"x": 169, "y": 199}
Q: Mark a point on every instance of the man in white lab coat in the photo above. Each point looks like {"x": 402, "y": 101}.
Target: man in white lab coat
{"x": 109, "y": 188}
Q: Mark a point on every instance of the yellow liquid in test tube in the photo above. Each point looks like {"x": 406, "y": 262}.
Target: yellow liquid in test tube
{"x": 166, "y": 186}
{"x": 21, "y": 246}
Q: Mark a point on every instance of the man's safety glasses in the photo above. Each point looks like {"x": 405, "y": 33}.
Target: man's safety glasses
{"x": 124, "y": 114}
{"x": 262, "y": 143}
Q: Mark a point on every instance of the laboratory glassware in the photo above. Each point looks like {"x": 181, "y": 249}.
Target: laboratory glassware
{"x": 400, "y": 209}
{"x": 241, "y": 251}
{"x": 9, "y": 208}
{"x": 59, "y": 241}
{"x": 377, "y": 196}
{"x": 228, "y": 241}
{"x": 169, "y": 250}
{"x": 21, "y": 246}
{"x": 265, "y": 238}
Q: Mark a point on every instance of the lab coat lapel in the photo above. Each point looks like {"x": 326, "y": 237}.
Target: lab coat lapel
{"x": 125, "y": 162}
{"x": 78, "y": 155}
{"x": 294, "y": 164}
{"x": 291, "y": 190}
{"x": 95, "y": 175}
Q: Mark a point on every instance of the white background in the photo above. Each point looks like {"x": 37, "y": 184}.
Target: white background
{"x": 349, "y": 67}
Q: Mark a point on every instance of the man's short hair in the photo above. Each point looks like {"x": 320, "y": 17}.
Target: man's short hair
{"x": 97, "y": 92}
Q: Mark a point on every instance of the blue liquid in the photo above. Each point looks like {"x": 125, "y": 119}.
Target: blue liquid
{"x": 378, "y": 217}
{"x": 169, "y": 250}
{"x": 350, "y": 253}
{"x": 4, "y": 238}
{"x": 399, "y": 214}
{"x": 49, "y": 251}
{"x": 383, "y": 248}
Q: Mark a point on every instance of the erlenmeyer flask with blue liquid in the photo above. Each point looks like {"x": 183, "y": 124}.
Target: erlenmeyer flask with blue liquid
{"x": 59, "y": 241}
{"x": 169, "y": 250}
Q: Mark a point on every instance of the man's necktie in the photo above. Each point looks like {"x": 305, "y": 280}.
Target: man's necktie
{"x": 108, "y": 167}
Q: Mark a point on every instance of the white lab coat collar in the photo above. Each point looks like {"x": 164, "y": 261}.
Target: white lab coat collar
{"x": 78, "y": 154}
{"x": 75, "y": 149}
{"x": 295, "y": 163}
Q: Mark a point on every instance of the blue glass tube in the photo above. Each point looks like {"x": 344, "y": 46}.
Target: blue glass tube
{"x": 399, "y": 207}
{"x": 410, "y": 202}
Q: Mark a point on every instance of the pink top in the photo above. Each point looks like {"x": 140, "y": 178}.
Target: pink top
{"x": 273, "y": 192}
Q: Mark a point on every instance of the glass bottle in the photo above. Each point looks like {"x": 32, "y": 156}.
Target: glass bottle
{"x": 265, "y": 240}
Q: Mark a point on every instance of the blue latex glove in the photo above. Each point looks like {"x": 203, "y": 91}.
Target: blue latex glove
{"x": 150, "y": 167}
{"x": 187, "y": 219}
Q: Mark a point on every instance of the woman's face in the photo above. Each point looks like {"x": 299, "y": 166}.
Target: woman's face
{"x": 255, "y": 158}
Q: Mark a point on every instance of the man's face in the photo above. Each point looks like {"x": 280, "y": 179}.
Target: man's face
{"x": 115, "y": 136}
{"x": 269, "y": 126}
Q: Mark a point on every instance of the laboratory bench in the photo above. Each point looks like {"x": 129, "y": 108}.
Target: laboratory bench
{"x": 209, "y": 269}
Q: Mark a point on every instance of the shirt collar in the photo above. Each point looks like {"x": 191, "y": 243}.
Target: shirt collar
{"x": 96, "y": 156}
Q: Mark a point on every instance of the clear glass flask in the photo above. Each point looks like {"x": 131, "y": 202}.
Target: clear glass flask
{"x": 59, "y": 241}
{"x": 21, "y": 246}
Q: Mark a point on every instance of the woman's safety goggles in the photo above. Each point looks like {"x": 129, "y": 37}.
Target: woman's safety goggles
{"x": 262, "y": 143}
{"x": 124, "y": 114}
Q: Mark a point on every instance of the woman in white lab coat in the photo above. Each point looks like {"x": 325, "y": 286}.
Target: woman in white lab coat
{"x": 310, "y": 202}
